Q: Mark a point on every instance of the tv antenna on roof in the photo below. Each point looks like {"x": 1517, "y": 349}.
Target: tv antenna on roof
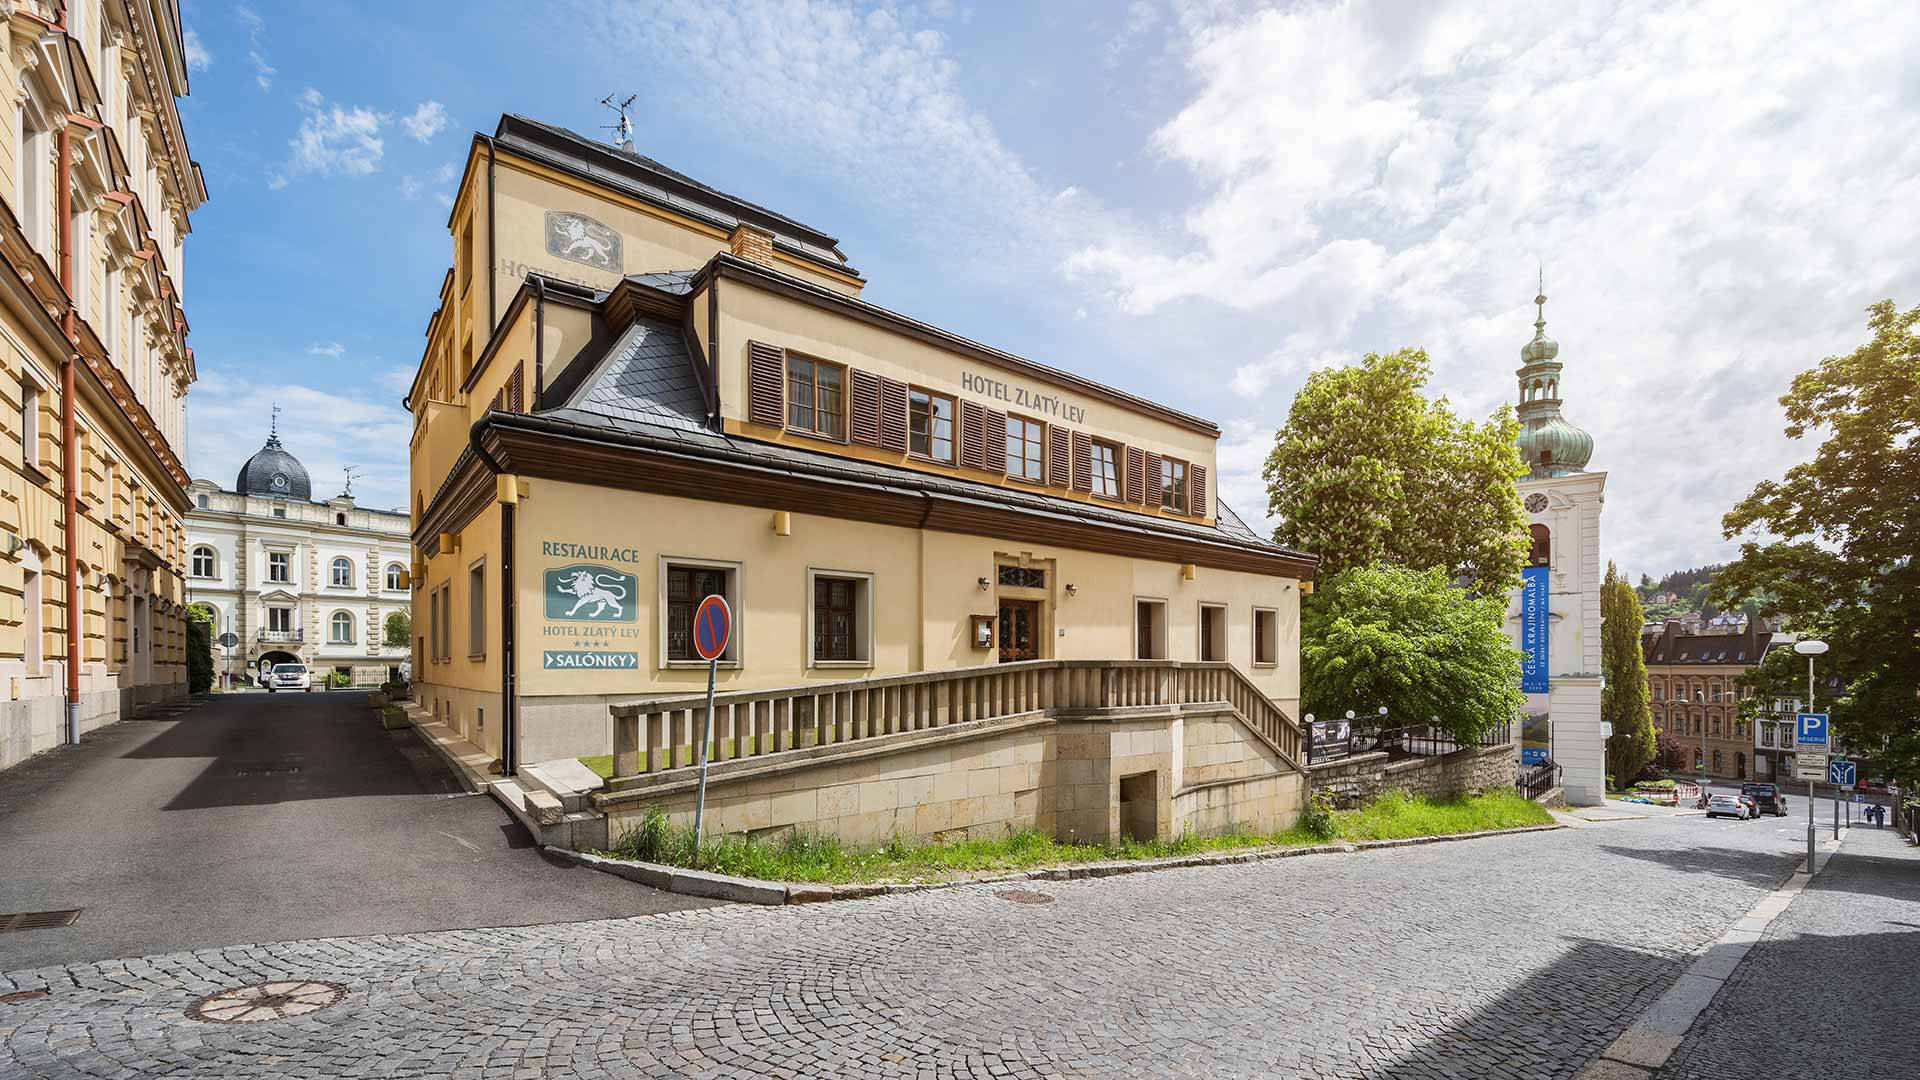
{"x": 623, "y": 127}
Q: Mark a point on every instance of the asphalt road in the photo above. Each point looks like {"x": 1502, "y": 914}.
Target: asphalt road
{"x": 256, "y": 818}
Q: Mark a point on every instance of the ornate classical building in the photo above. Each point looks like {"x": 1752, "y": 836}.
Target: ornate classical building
{"x": 97, "y": 186}
{"x": 295, "y": 580}
{"x": 1558, "y": 611}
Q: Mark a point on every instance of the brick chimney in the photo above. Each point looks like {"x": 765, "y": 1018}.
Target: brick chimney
{"x": 751, "y": 243}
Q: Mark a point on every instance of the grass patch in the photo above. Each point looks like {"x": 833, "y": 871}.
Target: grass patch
{"x": 1396, "y": 815}
{"x": 681, "y": 756}
{"x": 809, "y": 857}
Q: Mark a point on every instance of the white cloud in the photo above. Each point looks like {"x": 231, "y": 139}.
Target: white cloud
{"x": 198, "y": 58}
{"x": 330, "y": 349}
{"x": 865, "y": 99}
{"x": 1714, "y": 202}
{"x": 445, "y": 173}
{"x": 333, "y": 140}
{"x": 326, "y": 430}
{"x": 427, "y": 119}
{"x": 410, "y": 187}
{"x": 263, "y": 71}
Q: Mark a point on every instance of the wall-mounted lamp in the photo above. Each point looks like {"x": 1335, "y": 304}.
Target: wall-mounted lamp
{"x": 1187, "y": 571}
{"x": 985, "y": 585}
{"x": 1306, "y": 588}
{"x": 1072, "y": 589}
{"x": 782, "y": 523}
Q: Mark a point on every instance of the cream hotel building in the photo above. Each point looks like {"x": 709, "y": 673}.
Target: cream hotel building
{"x": 638, "y": 391}
{"x": 94, "y": 366}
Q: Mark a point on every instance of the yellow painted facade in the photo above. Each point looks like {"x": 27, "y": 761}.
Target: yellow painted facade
{"x": 919, "y": 589}
{"x": 92, "y": 83}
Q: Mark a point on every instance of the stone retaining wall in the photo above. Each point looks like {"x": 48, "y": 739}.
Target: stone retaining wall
{"x": 1357, "y": 779}
{"x": 1144, "y": 772}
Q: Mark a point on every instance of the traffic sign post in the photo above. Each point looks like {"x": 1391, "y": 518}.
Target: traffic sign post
{"x": 1811, "y": 740}
{"x": 712, "y": 628}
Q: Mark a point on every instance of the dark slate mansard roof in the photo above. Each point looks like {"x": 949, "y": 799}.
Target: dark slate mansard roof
{"x": 645, "y": 384}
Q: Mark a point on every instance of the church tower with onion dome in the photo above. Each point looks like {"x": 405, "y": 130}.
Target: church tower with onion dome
{"x": 1554, "y": 617}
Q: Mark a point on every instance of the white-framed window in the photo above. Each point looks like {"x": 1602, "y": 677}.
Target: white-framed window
{"x": 341, "y": 574}
{"x": 279, "y": 511}
{"x": 1149, "y": 628}
{"x": 30, "y": 391}
{"x": 204, "y": 563}
{"x": 396, "y": 578}
{"x": 31, "y": 190}
{"x": 1213, "y": 632}
{"x": 200, "y": 501}
{"x": 1266, "y": 637}
{"x": 279, "y": 619}
{"x": 280, "y": 567}
{"x": 839, "y": 618}
{"x": 684, "y": 582}
{"x": 477, "y": 609}
{"x": 32, "y": 624}
{"x": 340, "y": 628}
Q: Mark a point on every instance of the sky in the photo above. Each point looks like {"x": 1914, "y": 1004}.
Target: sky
{"x": 1197, "y": 202}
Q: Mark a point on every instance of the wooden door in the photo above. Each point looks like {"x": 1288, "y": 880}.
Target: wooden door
{"x": 1019, "y": 630}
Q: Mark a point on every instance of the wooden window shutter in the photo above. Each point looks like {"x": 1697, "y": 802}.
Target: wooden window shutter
{"x": 863, "y": 407}
{"x": 516, "y": 389}
{"x": 893, "y": 415}
{"x": 1136, "y": 475}
{"x": 973, "y": 435}
{"x": 1059, "y": 460}
{"x": 996, "y": 424}
{"x": 1082, "y": 461}
{"x": 1153, "y": 480}
{"x": 766, "y": 384}
{"x": 1197, "y": 490}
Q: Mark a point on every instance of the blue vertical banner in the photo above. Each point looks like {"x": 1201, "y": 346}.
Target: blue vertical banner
{"x": 1534, "y": 630}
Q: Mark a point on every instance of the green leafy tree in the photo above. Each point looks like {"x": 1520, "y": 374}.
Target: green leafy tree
{"x": 199, "y": 648}
{"x": 1833, "y": 547}
{"x": 1410, "y": 640}
{"x": 399, "y": 629}
{"x": 1623, "y": 697}
{"x": 1367, "y": 470}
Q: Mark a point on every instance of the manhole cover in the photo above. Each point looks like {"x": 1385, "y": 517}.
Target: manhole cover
{"x": 267, "y": 1001}
{"x": 37, "y": 920}
{"x": 1024, "y": 896}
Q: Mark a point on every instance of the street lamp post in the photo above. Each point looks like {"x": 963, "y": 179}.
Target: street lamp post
{"x": 1810, "y": 649}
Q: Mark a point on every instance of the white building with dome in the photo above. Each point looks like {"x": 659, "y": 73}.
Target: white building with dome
{"x": 294, "y": 579}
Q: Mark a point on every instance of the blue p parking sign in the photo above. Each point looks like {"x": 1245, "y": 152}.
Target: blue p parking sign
{"x": 1810, "y": 730}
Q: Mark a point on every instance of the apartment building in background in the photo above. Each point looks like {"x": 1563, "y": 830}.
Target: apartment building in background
{"x": 97, "y": 187}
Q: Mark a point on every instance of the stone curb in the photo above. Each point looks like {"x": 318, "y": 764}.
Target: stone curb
{"x": 777, "y": 893}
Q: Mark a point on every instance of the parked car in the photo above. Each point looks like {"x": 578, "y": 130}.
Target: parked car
{"x": 1767, "y": 797}
{"x": 290, "y": 677}
{"x": 1728, "y": 806}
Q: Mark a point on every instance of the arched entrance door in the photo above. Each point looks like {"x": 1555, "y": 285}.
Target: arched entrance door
{"x": 268, "y": 659}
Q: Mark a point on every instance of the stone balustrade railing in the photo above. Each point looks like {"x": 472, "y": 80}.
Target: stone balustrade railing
{"x": 653, "y": 736}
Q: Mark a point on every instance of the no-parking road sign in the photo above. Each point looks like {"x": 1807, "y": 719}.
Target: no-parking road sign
{"x": 712, "y": 626}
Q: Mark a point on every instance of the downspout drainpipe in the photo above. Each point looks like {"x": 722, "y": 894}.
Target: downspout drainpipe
{"x": 509, "y": 702}
{"x": 539, "y": 343}
{"x": 68, "y": 496}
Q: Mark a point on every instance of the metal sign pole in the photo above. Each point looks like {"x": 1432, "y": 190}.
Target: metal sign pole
{"x": 1810, "y": 775}
{"x": 706, "y": 727}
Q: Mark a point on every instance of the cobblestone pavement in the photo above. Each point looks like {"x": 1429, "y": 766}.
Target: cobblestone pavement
{"x": 1509, "y": 957}
{"x": 1852, "y": 938}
